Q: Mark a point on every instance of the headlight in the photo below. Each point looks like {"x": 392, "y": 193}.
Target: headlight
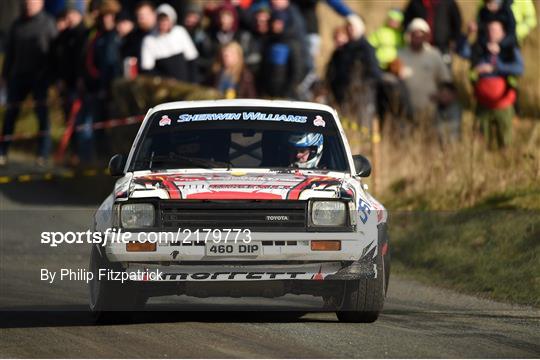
{"x": 137, "y": 215}
{"x": 328, "y": 213}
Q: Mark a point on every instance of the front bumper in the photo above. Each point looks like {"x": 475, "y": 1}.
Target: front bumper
{"x": 225, "y": 273}
{"x": 274, "y": 247}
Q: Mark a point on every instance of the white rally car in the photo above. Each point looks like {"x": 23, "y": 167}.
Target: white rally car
{"x": 242, "y": 198}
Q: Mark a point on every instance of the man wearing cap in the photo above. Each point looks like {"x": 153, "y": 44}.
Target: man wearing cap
{"x": 444, "y": 21}
{"x": 423, "y": 69}
{"x": 169, "y": 51}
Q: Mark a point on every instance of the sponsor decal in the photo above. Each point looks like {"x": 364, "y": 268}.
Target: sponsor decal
{"x": 240, "y": 273}
{"x": 225, "y": 186}
{"x": 234, "y": 195}
{"x": 363, "y": 211}
{"x": 242, "y": 116}
{"x": 319, "y": 121}
{"x": 236, "y": 275}
{"x": 321, "y": 183}
{"x": 165, "y": 120}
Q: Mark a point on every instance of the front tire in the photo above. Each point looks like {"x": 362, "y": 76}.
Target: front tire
{"x": 363, "y": 300}
{"x": 105, "y": 295}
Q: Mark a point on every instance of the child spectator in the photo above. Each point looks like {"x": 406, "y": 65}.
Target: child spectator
{"x": 448, "y": 116}
{"x": 231, "y": 77}
{"x": 168, "y": 51}
{"x": 497, "y": 10}
{"x": 494, "y": 67}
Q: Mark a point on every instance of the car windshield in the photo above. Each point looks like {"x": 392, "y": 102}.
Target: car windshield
{"x": 240, "y": 137}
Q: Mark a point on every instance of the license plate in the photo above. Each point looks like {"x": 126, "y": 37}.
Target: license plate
{"x": 232, "y": 249}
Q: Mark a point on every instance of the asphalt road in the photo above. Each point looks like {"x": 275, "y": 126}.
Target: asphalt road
{"x": 38, "y": 319}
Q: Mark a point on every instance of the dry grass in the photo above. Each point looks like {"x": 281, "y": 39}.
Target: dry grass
{"x": 416, "y": 172}
{"x": 460, "y": 175}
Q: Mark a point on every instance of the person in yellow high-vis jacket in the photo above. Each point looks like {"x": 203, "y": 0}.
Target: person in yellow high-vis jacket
{"x": 525, "y": 15}
{"x": 392, "y": 96}
{"x": 388, "y": 39}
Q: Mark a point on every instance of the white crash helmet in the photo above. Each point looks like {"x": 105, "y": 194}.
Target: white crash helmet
{"x": 313, "y": 141}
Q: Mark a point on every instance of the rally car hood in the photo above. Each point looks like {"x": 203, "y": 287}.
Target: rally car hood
{"x": 226, "y": 185}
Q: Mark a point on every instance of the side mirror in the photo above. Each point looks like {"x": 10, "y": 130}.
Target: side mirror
{"x": 116, "y": 165}
{"x": 362, "y": 165}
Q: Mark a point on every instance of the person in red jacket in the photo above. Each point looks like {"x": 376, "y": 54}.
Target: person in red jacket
{"x": 495, "y": 67}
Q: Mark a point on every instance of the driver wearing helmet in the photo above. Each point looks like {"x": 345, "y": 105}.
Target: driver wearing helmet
{"x": 306, "y": 150}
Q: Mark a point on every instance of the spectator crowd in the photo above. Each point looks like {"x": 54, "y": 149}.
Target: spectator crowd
{"x": 266, "y": 48}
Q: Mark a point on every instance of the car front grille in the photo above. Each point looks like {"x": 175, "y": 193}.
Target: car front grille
{"x": 256, "y": 215}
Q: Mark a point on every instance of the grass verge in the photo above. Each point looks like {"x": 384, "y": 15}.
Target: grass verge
{"x": 467, "y": 218}
{"x": 490, "y": 253}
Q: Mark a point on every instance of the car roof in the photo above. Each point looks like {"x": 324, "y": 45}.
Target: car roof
{"x": 243, "y": 102}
